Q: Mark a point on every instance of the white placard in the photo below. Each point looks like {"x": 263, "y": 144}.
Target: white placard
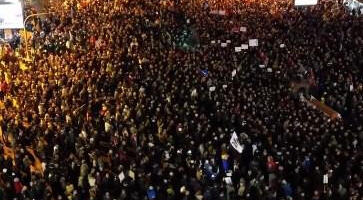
{"x": 269, "y": 70}
{"x": 282, "y": 45}
{"x": 222, "y": 12}
{"x": 243, "y": 29}
{"x": 244, "y": 46}
{"x": 213, "y": 42}
{"x": 237, "y": 49}
{"x": 11, "y": 14}
{"x": 228, "y": 41}
{"x": 121, "y": 176}
{"x": 235, "y": 143}
{"x": 305, "y": 2}
{"x": 325, "y": 179}
{"x": 228, "y": 180}
{"x": 261, "y": 66}
{"x": 253, "y": 42}
{"x": 223, "y": 44}
{"x": 8, "y": 34}
{"x": 212, "y": 89}
{"x": 218, "y": 12}
{"x": 234, "y": 72}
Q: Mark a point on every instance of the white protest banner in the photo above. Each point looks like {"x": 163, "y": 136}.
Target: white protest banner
{"x": 253, "y": 42}
{"x": 237, "y": 49}
{"x": 244, "y": 46}
{"x": 213, "y": 42}
{"x": 235, "y": 143}
{"x": 11, "y": 15}
{"x": 269, "y": 69}
{"x": 243, "y": 29}
{"x": 282, "y": 45}
{"x": 223, "y": 44}
{"x": 261, "y": 66}
{"x": 228, "y": 41}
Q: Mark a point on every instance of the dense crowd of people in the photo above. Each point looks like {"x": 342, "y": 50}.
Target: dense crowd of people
{"x": 111, "y": 107}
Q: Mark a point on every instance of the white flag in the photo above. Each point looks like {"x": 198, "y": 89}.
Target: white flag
{"x": 235, "y": 143}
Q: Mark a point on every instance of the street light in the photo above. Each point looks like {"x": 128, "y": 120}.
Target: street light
{"x": 26, "y": 35}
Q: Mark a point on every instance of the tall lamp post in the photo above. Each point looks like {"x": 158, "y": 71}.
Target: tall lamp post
{"x": 26, "y": 35}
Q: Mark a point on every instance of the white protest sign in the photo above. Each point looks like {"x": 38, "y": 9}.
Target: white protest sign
{"x": 121, "y": 176}
{"x": 253, "y": 42}
{"x": 282, "y": 45}
{"x": 222, "y": 12}
{"x": 223, "y": 44}
{"x": 214, "y": 12}
{"x": 244, "y": 46}
{"x": 269, "y": 70}
{"x": 237, "y": 49}
{"x": 261, "y": 66}
{"x": 351, "y": 87}
{"x": 234, "y": 72}
{"x": 213, "y": 42}
{"x": 212, "y": 88}
{"x": 8, "y": 34}
{"x": 305, "y": 2}
{"x": 228, "y": 180}
{"x": 228, "y": 41}
{"x": 325, "y": 179}
{"x": 254, "y": 148}
{"x": 243, "y": 29}
{"x": 235, "y": 143}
